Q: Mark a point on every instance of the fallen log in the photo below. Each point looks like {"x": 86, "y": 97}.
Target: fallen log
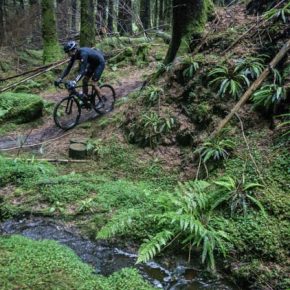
{"x": 256, "y": 84}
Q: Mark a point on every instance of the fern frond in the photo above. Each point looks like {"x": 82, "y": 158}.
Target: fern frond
{"x": 118, "y": 224}
{"x": 153, "y": 246}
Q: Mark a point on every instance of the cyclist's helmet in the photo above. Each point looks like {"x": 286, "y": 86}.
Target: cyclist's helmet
{"x": 69, "y": 46}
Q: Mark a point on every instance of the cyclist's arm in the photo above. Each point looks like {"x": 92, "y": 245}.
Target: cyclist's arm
{"x": 68, "y": 68}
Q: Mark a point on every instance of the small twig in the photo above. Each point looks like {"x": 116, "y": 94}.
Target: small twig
{"x": 249, "y": 149}
{"x": 198, "y": 168}
{"x": 22, "y": 143}
{"x": 171, "y": 242}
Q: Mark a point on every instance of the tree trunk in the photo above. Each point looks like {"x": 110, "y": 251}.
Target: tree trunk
{"x": 62, "y": 18}
{"x": 74, "y": 16}
{"x": 167, "y": 11}
{"x": 22, "y": 5}
{"x": 161, "y": 14}
{"x": 2, "y": 23}
{"x": 101, "y": 15}
{"x": 155, "y": 14}
{"x": 34, "y": 12}
{"x": 145, "y": 12}
{"x": 51, "y": 49}
{"x": 125, "y": 17}
{"x": 111, "y": 14}
{"x": 88, "y": 31}
{"x": 188, "y": 20}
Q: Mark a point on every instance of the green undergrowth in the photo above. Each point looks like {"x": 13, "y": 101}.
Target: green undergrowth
{"x": 109, "y": 183}
{"x": 20, "y": 107}
{"x": 28, "y": 264}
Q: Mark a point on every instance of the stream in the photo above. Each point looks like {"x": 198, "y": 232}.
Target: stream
{"x": 107, "y": 259}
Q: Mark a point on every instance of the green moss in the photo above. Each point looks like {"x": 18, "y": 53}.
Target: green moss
{"x": 28, "y": 264}
{"x": 68, "y": 188}
{"x": 256, "y": 236}
{"x": 196, "y": 27}
{"x": 88, "y": 30}
{"x": 20, "y": 107}
{"x": 261, "y": 275}
{"x": 200, "y": 113}
{"x": 23, "y": 173}
{"x": 31, "y": 57}
{"x": 5, "y": 66}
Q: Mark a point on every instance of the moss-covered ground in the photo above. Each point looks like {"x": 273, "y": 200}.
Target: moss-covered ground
{"x": 28, "y": 264}
{"x": 139, "y": 153}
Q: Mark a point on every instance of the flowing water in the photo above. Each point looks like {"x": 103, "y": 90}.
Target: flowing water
{"x": 107, "y": 259}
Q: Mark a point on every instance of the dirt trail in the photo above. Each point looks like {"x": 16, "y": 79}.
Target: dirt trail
{"x": 36, "y": 137}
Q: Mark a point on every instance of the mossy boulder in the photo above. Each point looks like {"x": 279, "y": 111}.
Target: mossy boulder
{"x": 20, "y": 107}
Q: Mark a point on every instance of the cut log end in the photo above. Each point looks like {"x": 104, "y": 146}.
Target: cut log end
{"x": 77, "y": 151}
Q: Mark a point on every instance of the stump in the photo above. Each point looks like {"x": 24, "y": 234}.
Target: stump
{"x": 77, "y": 151}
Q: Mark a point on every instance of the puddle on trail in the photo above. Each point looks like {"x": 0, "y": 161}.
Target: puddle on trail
{"x": 107, "y": 259}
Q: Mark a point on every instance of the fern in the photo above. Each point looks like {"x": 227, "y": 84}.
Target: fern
{"x": 285, "y": 123}
{"x": 118, "y": 224}
{"x": 152, "y": 95}
{"x": 251, "y": 67}
{"x": 191, "y": 66}
{"x": 185, "y": 214}
{"x": 278, "y": 13}
{"x": 230, "y": 81}
{"x": 215, "y": 150}
{"x": 268, "y": 95}
{"x": 151, "y": 247}
{"x": 238, "y": 193}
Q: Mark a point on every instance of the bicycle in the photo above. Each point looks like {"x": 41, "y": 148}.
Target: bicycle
{"x": 67, "y": 112}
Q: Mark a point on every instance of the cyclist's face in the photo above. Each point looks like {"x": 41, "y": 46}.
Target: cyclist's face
{"x": 71, "y": 53}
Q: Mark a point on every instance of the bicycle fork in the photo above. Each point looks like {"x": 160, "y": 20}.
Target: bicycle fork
{"x": 69, "y": 105}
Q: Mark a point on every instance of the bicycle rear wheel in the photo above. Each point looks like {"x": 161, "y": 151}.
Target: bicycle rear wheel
{"x": 67, "y": 113}
{"x": 107, "y": 100}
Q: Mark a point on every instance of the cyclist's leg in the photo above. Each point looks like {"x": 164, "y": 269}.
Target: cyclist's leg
{"x": 86, "y": 79}
{"x": 85, "y": 85}
{"x": 96, "y": 76}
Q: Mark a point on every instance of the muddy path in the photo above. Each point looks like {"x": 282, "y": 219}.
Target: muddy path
{"x": 47, "y": 132}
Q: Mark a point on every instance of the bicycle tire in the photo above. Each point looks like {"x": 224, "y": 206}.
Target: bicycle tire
{"x": 108, "y": 98}
{"x": 67, "y": 113}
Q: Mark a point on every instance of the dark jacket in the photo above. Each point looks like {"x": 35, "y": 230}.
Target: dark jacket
{"x": 88, "y": 57}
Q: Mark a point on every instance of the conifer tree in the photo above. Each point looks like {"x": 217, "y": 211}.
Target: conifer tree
{"x": 51, "y": 49}
{"x": 88, "y": 31}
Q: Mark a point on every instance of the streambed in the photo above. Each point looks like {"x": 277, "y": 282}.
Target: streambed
{"x": 107, "y": 259}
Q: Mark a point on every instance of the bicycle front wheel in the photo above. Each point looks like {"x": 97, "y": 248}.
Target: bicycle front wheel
{"x": 106, "y": 102}
{"x": 67, "y": 113}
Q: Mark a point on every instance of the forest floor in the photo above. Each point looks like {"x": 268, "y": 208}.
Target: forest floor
{"x": 126, "y": 176}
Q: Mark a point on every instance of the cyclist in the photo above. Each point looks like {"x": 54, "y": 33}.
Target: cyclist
{"x": 92, "y": 64}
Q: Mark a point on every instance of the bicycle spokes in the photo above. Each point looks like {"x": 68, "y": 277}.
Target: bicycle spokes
{"x": 67, "y": 113}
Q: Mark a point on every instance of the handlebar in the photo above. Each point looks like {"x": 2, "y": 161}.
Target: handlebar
{"x": 69, "y": 85}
